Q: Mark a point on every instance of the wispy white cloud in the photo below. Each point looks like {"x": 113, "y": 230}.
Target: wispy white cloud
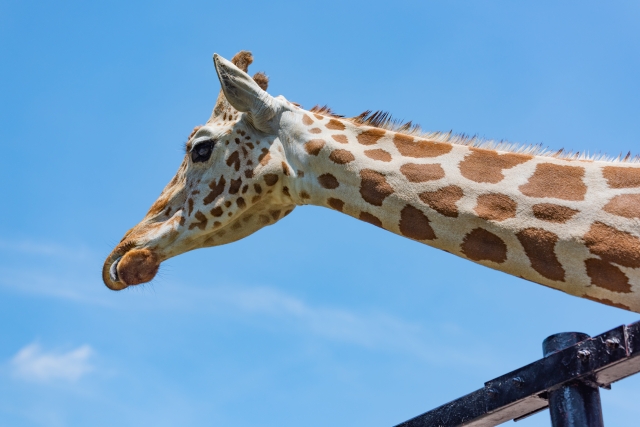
{"x": 44, "y": 249}
{"x": 34, "y": 364}
{"x": 267, "y": 306}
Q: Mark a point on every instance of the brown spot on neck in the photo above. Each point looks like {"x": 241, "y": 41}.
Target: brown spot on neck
{"x": 553, "y": 213}
{"x": 264, "y": 158}
{"x": 378, "y": 154}
{"x": 482, "y": 245}
{"x": 539, "y": 246}
{"x": 342, "y": 139}
{"x": 607, "y": 302}
{"x": 202, "y": 221}
{"x": 624, "y": 205}
{"x": 556, "y": 181}
{"x": 307, "y": 120}
{"x": 605, "y": 275}
{"x": 487, "y": 165}
{"x": 374, "y": 187}
{"x": 414, "y": 224}
{"x": 496, "y": 207}
{"x": 622, "y": 177}
{"x": 371, "y": 219}
{"x": 328, "y": 181}
{"x": 335, "y": 125}
{"x": 270, "y": 179}
{"x": 336, "y": 204}
{"x": 370, "y": 136}
{"x": 443, "y": 200}
{"x": 422, "y": 173}
{"x": 422, "y": 148}
{"x": 314, "y": 146}
{"x": 612, "y": 245}
{"x": 341, "y": 157}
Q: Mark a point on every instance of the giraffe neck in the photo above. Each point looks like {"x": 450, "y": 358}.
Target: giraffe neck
{"x": 570, "y": 225}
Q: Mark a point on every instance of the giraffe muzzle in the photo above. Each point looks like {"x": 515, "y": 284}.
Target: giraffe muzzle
{"x": 133, "y": 268}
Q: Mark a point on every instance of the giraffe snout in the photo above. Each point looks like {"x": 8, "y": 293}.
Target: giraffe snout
{"x": 133, "y": 268}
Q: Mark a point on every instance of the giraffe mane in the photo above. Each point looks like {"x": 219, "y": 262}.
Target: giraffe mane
{"x": 384, "y": 120}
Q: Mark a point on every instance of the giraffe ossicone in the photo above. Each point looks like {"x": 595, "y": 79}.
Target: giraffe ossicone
{"x": 564, "y": 221}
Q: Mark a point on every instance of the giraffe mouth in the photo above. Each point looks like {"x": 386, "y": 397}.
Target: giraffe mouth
{"x": 134, "y": 267}
{"x": 113, "y": 270}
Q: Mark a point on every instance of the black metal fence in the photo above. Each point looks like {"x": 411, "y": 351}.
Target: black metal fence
{"x": 566, "y": 380}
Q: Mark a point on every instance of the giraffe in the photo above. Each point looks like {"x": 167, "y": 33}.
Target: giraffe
{"x": 566, "y": 221}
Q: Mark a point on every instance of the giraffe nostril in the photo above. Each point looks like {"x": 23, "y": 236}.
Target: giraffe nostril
{"x": 113, "y": 270}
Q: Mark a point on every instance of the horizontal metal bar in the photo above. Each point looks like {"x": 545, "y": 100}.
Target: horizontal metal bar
{"x": 601, "y": 360}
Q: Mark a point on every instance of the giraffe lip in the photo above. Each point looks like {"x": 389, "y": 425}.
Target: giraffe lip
{"x": 113, "y": 270}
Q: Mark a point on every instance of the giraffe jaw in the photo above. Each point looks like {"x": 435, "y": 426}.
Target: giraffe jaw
{"x": 133, "y": 268}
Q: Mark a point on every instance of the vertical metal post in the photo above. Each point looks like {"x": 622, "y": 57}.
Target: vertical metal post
{"x": 576, "y": 404}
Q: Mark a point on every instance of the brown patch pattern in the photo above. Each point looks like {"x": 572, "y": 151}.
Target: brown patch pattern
{"x": 607, "y": 302}
{"x": 422, "y": 173}
{"x": 551, "y": 212}
{"x": 335, "y": 125}
{"x": 370, "y": 136}
{"x": 374, "y": 188}
{"x": 557, "y": 181}
{"x": 307, "y": 120}
{"x": 443, "y": 200}
{"x": 371, "y": 219}
{"x": 270, "y": 179}
{"x": 328, "y": 181}
{"x": 378, "y": 154}
{"x": 414, "y": 224}
{"x": 621, "y": 177}
{"x": 216, "y": 190}
{"x": 612, "y": 245}
{"x": 341, "y": 157}
{"x": 234, "y": 186}
{"x": 234, "y": 159}
{"x": 422, "y": 148}
{"x": 487, "y": 165}
{"x": 202, "y": 221}
{"x": 482, "y": 245}
{"x": 607, "y": 276}
{"x": 264, "y": 158}
{"x": 495, "y": 207}
{"x": 336, "y": 204}
{"x": 342, "y": 139}
{"x": 625, "y": 205}
{"x": 539, "y": 245}
{"x": 314, "y": 146}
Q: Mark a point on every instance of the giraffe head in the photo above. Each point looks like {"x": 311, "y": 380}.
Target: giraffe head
{"x": 232, "y": 181}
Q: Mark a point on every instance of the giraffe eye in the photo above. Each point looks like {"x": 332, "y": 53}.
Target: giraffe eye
{"x": 201, "y": 152}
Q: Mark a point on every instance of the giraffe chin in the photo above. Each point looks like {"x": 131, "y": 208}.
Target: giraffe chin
{"x": 133, "y": 268}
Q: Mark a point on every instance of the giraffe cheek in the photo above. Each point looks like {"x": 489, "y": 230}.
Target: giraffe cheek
{"x": 137, "y": 266}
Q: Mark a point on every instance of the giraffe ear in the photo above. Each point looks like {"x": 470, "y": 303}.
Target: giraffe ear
{"x": 243, "y": 93}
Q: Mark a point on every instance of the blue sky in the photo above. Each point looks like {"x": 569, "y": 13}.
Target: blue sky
{"x": 319, "y": 319}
